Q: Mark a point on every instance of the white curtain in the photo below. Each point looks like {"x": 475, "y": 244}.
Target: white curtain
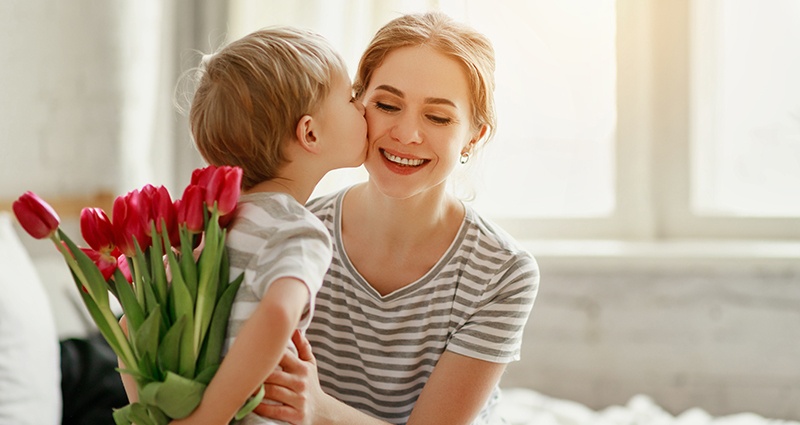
{"x": 160, "y": 42}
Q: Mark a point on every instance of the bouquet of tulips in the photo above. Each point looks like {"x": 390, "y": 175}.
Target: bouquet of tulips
{"x": 166, "y": 263}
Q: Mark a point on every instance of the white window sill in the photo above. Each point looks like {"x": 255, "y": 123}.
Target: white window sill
{"x": 716, "y": 255}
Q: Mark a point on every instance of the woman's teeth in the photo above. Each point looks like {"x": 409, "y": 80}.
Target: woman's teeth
{"x": 403, "y": 161}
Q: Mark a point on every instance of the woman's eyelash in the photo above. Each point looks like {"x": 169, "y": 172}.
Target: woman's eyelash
{"x": 439, "y": 120}
{"x": 436, "y": 119}
{"x": 386, "y": 107}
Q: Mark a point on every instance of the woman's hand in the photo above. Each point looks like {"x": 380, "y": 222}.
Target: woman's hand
{"x": 295, "y": 388}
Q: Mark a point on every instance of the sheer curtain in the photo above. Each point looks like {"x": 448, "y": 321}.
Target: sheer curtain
{"x": 160, "y": 42}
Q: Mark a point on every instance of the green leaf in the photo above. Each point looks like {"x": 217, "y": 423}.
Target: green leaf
{"x": 140, "y": 416}
{"x": 188, "y": 266}
{"x": 184, "y": 307}
{"x": 224, "y": 267}
{"x": 158, "y": 272}
{"x": 122, "y": 416}
{"x": 212, "y": 348}
{"x": 87, "y": 273}
{"x": 205, "y": 375}
{"x": 148, "y": 369}
{"x": 250, "y": 404}
{"x": 147, "y": 336}
{"x": 151, "y": 301}
{"x": 109, "y": 327}
{"x": 141, "y": 276}
{"x": 130, "y": 306}
{"x": 177, "y": 396}
{"x": 207, "y": 284}
{"x": 170, "y": 346}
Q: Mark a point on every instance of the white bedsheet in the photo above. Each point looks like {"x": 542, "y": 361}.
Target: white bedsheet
{"x": 526, "y": 407}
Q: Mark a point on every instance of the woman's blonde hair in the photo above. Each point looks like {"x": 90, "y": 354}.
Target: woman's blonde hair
{"x": 252, "y": 93}
{"x": 451, "y": 38}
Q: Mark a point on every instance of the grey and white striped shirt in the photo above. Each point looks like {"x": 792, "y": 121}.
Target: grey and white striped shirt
{"x": 376, "y": 352}
{"x": 273, "y": 236}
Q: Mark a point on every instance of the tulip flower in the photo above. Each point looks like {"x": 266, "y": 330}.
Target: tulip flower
{"x": 190, "y": 209}
{"x": 164, "y": 213}
{"x": 105, "y": 262}
{"x": 131, "y": 222}
{"x": 122, "y": 266}
{"x": 97, "y": 230}
{"x": 36, "y": 216}
{"x": 201, "y": 176}
{"x": 223, "y": 189}
{"x": 176, "y": 300}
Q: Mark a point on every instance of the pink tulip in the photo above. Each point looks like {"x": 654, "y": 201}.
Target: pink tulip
{"x": 163, "y": 211}
{"x": 131, "y": 219}
{"x": 36, "y": 216}
{"x": 105, "y": 262}
{"x": 229, "y": 195}
{"x": 202, "y": 176}
{"x": 122, "y": 265}
{"x": 224, "y": 188}
{"x": 97, "y": 230}
{"x": 190, "y": 208}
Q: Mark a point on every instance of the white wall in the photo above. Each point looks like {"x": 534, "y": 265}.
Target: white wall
{"x": 59, "y": 104}
{"x": 722, "y": 337}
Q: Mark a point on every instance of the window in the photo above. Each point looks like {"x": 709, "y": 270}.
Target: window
{"x": 627, "y": 119}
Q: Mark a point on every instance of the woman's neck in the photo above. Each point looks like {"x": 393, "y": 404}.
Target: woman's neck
{"x": 407, "y": 221}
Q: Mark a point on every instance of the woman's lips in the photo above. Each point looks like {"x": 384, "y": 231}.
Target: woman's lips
{"x": 401, "y": 164}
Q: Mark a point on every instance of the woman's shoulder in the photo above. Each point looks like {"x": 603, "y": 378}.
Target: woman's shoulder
{"x": 490, "y": 236}
{"x": 325, "y": 204}
{"x": 488, "y": 243}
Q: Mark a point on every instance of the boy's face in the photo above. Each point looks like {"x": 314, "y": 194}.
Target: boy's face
{"x": 343, "y": 125}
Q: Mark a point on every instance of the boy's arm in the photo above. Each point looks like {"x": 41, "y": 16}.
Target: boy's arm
{"x": 128, "y": 382}
{"x": 254, "y": 354}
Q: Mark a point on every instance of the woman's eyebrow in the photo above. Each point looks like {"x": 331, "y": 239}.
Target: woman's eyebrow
{"x": 430, "y": 100}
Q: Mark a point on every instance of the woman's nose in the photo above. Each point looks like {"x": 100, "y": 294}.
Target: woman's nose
{"x": 406, "y": 130}
{"x": 361, "y": 108}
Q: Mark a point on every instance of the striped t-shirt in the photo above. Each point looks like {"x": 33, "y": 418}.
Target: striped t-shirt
{"x": 273, "y": 236}
{"x": 376, "y": 352}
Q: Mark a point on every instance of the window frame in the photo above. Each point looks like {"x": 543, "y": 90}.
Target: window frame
{"x": 653, "y": 146}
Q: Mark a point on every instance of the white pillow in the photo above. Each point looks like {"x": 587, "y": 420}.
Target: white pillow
{"x": 30, "y": 363}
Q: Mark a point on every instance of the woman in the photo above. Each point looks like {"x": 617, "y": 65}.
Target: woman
{"x": 425, "y": 301}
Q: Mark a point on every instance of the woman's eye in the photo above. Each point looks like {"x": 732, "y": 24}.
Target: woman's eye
{"x": 386, "y": 107}
{"x": 439, "y": 120}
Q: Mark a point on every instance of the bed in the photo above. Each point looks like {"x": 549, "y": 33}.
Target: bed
{"x": 520, "y": 406}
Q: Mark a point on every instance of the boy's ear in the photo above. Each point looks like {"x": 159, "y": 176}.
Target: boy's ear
{"x": 304, "y": 134}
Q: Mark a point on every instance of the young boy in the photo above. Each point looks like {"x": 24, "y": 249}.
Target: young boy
{"x": 277, "y": 103}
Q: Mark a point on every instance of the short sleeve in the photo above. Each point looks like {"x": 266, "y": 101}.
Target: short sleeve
{"x": 493, "y": 329}
{"x": 302, "y": 252}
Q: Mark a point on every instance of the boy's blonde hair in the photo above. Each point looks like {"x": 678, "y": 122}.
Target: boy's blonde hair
{"x": 252, "y": 93}
{"x": 453, "y": 39}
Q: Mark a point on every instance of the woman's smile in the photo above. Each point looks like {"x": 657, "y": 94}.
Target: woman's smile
{"x": 405, "y": 161}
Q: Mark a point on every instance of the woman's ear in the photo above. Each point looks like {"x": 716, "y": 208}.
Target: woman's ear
{"x": 479, "y": 135}
{"x": 304, "y": 134}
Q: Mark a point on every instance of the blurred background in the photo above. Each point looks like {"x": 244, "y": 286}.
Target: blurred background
{"x": 648, "y": 155}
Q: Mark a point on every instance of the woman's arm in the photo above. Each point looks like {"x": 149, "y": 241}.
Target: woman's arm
{"x": 254, "y": 354}
{"x": 455, "y": 393}
{"x": 457, "y": 390}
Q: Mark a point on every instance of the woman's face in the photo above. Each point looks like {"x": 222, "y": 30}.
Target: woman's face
{"x": 418, "y": 113}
